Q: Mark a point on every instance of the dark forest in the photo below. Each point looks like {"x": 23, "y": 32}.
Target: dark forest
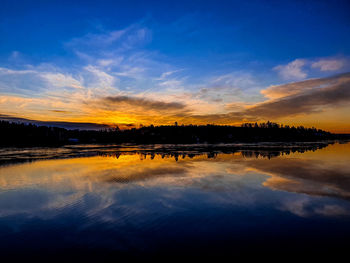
{"x": 20, "y": 134}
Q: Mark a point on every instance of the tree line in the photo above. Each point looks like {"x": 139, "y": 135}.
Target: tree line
{"x": 12, "y": 133}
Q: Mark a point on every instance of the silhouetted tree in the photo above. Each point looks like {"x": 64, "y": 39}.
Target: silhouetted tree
{"x": 32, "y": 135}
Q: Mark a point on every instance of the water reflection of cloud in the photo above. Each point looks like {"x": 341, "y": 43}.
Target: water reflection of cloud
{"x": 25, "y": 201}
{"x": 312, "y": 177}
{"x": 143, "y": 174}
{"x": 307, "y": 207}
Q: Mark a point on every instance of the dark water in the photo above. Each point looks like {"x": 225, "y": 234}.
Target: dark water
{"x": 94, "y": 202}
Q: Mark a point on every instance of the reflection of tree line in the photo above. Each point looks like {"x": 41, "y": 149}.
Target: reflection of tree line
{"x": 267, "y": 152}
{"x": 19, "y": 134}
{"x": 273, "y": 153}
{"x": 16, "y": 155}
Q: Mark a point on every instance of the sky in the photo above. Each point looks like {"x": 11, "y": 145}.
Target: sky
{"x": 129, "y": 63}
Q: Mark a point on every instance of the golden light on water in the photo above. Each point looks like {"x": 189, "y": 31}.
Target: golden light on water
{"x": 315, "y": 173}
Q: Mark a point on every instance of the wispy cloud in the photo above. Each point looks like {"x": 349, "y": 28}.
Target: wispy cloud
{"x": 168, "y": 73}
{"x": 106, "y": 38}
{"x": 293, "y": 70}
{"x": 100, "y": 78}
{"x": 329, "y": 64}
{"x": 60, "y": 80}
{"x": 120, "y": 54}
{"x": 299, "y": 69}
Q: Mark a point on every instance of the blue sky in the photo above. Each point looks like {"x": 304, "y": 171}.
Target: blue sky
{"x": 210, "y": 55}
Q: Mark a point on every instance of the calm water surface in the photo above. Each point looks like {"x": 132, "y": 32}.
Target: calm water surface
{"x": 139, "y": 202}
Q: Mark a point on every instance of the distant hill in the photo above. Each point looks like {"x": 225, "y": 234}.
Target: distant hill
{"x": 21, "y": 134}
{"x": 58, "y": 124}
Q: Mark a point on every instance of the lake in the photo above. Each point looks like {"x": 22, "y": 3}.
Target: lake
{"x": 95, "y": 201}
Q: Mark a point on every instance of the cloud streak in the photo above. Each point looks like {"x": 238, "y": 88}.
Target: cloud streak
{"x": 305, "y": 102}
{"x": 143, "y": 103}
{"x": 336, "y": 92}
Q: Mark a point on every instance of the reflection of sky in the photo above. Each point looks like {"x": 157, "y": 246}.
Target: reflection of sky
{"x": 210, "y": 196}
